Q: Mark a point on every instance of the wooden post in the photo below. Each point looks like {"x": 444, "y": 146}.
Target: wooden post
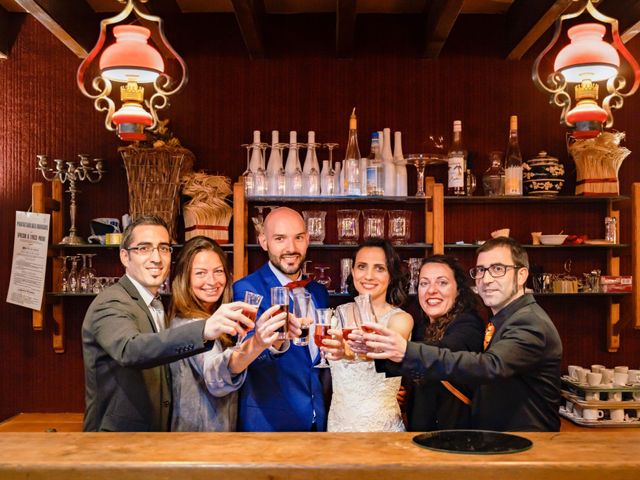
{"x": 240, "y": 231}
{"x": 635, "y": 252}
{"x": 438, "y": 219}
{"x": 57, "y": 233}
{"x": 38, "y": 206}
{"x": 613, "y": 268}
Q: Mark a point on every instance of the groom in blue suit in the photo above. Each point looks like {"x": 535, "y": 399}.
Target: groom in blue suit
{"x": 282, "y": 391}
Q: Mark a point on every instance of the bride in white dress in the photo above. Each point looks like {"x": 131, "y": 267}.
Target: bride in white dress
{"x": 364, "y": 400}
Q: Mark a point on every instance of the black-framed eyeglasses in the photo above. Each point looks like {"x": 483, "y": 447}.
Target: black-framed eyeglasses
{"x": 496, "y": 270}
{"x": 163, "y": 249}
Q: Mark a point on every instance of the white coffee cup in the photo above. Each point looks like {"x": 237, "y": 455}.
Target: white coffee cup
{"x": 594, "y": 379}
{"x": 581, "y": 374}
{"x": 568, "y": 406}
{"x": 597, "y": 368}
{"x": 607, "y": 376}
{"x": 592, "y": 413}
{"x": 615, "y": 396}
{"x": 621, "y": 369}
{"x": 634, "y": 376}
{"x": 620, "y": 379}
{"x": 571, "y": 370}
{"x": 592, "y": 396}
{"x": 617, "y": 414}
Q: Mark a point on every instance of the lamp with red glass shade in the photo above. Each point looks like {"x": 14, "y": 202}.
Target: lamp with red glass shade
{"x": 134, "y": 63}
{"x": 587, "y": 60}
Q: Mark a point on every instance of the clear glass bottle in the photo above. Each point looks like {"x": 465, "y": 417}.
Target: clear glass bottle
{"x": 274, "y": 165}
{"x": 457, "y": 162}
{"x": 493, "y": 177}
{"x": 401, "y": 166}
{"x": 256, "y": 157}
{"x": 374, "y": 168}
{"x": 513, "y": 161}
{"x": 610, "y": 229}
{"x": 351, "y": 166}
{"x": 293, "y": 173}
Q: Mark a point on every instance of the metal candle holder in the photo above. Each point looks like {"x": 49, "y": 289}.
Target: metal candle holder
{"x": 72, "y": 171}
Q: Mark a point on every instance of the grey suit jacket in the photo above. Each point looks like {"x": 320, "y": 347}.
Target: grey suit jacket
{"x": 127, "y": 382}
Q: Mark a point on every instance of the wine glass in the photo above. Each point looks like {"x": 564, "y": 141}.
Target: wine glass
{"x": 414, "y": 272}
{"x": 323, "y": 319}
{"x": 64, "y": 274}
{"x": 346, "y": 264}
{"x": 280, "y": 296}
{"x": 302, "y": 311}
{"x": 74, "y": 283}
{"x": 367, "y": 314}
{"x": 322, "y": 278}
{"x": 420, "y": 161}
{"x": 247, "y": 175}
{"x": 349, "y": 320}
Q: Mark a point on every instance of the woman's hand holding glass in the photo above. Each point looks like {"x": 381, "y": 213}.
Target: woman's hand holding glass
{"x": 333, "y": 348}
{"x": 229, "y": 319}
{"x": 384, "y": 343}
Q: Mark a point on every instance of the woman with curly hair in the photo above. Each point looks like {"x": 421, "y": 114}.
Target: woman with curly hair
{"x": 364, "y": 400}
{"x": 452, "y": 321}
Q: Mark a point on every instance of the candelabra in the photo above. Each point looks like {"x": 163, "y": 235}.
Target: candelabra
{"x": 72, "y": 172}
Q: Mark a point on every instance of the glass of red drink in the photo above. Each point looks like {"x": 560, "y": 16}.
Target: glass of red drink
{"x": 302, "y": 307}
{"x": 349, "y": 320}
{"x": 252, "y": 299}
{"x": 367, "y": 315}
{"x": 323, "y": 318}
{"x": 280, "y": 297}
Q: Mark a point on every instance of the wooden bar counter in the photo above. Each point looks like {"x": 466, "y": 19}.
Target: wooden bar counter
{"x": 322, "y": 456}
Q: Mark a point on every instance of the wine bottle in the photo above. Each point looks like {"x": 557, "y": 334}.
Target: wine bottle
{"x": 374, "y": 168}
{"x": 351, "y": 165}
{"x": 457, "y": 162}
{"x": 274, "y": 166}
{"x": 293, "y": 173}
{"x": 513, "y": 161}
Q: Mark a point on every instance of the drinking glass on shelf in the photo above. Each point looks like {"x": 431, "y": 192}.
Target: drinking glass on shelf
{"x": 323, "y": 319}
{"x": 247, "y": 175}
{"x": 302, "y": 311}
{"x": 414, "y": 272}
{"x": 305, "y": 270}
{"x": 87, "y": 273}
{"x": 399, "y": 227}
{"x": 74, "y": 281}
{"x": 322, "y": 278}
{"x": 348, "y": 321}
{"x": 64, "y": 274}
{"x": 97, "y": 285}
{"x": 315, "y": 222}
{"x": 252, "y": 299}
{"x": 420, "y": 161}
{"x": 346, "y": 265}
{"x": 373, "y": 223}
{"x": 280, "y": 296}
{"x": 348, "y": 227}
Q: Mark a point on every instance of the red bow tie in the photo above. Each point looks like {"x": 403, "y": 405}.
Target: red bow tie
{"x": 298, "y": 283}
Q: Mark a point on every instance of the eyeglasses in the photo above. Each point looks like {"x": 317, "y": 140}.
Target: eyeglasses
{"x": 146, "y": 250}
{"x": 496, "y": 270}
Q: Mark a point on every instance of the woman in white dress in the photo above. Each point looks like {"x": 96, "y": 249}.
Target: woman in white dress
{"x": 364, "y": 400}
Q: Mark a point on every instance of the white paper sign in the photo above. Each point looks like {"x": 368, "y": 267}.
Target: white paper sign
{"x": 29, "y": 264}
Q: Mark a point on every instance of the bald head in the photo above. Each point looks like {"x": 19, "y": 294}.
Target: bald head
{"x": 284, "y": 238}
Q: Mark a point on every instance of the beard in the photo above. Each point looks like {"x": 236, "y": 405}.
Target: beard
{"x": 285, "y": 268}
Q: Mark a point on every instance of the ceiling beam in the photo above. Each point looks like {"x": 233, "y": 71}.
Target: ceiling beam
{"x": 250, "y": 15}
{"x": 441, "y": 16}
{"x": 527, "y": 21}
{"x": 628, "y": 14}
{"x": 76, "y": 27}
{"x": 163, "y": 8}
{"x": 345, "y": 27}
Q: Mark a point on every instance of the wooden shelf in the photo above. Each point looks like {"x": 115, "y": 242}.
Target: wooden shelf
{"x": 337, "y": 246}
{"x": 342, "y": 199}
{"x": 543, "y": 247}
{"x": 557, "y": 199}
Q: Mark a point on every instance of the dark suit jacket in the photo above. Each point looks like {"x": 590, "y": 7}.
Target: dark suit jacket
{"x": 281, "y": 391}
{"x": 519, "y": 373}
{"x": 127, "y": 384}
{"x": 430, "y": 406}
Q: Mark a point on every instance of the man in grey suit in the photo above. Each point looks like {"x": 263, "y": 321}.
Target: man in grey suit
{"x": 125, "y": 344}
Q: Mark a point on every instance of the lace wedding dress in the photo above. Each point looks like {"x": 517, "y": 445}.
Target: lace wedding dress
{"x": 364, "y": 400}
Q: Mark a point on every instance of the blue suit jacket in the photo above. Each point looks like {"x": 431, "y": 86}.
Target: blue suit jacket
{"x": 281, "y": 392}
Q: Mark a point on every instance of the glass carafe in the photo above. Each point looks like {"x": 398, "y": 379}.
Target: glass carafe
{"x": 493, "y": 177}
{"x": 315, "y": 222}
{"x": 399, "y": 226}
{"x": 373, "y": 223}
{"x": 348, "y": 227}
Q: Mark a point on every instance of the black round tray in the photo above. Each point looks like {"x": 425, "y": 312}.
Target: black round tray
{"x": 481, "y": 442}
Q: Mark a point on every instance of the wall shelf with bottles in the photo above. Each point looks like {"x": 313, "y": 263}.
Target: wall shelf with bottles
{"x": 325, "y": 246}
{"x": 535, "y": 199}
{"x": 581, "y": 246}
{"x": 341, "y": 198}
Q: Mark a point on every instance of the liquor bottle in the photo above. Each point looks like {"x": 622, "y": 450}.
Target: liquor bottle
{"x": 374, "y": 168}
{"x": 513, "y": 161}
{"x": 401, "y": 166}
{"x": 457, "y": 161}
{"x": 389, "y": 169}
{"x": 275, "y": 172}
{"x": 256, "y": 157}
{"x": 311, "y": 169}
{"x": 338, "y": 179}
{"x": 293, "y": 173}
{"x": 351, "y": 166}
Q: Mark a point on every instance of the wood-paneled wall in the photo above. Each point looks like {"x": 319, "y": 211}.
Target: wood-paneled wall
{"x": 301, "y": 86}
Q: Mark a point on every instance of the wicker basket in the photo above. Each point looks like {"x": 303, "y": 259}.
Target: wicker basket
{"x": 154, "y": 176}
{"x": 207, "y": 212}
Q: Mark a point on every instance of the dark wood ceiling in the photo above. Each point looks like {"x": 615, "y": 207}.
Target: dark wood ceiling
{"x": 75, "y": 22}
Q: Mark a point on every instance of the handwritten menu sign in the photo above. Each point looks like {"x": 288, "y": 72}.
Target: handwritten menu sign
{"x": 29, "y": 264}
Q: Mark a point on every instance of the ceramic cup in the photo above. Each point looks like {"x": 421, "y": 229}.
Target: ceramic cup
{"x": 617, "y": 414}
{"x": 607, "y": 376}
{"x": 634, "y": 376}
{"x": 621, "y": 369}
{"x": 594, "y": 379}
{"x": 620, "y": 379}
{"x": 592, "y": 413}
{"x": 597, "y": 368}
{"x": 615, "y": 396}
{"x": 535, "y": 238}
{"x": 592, "y": 396}
{"x": 571, "y": 369}
{"x": 581, "y": 374}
